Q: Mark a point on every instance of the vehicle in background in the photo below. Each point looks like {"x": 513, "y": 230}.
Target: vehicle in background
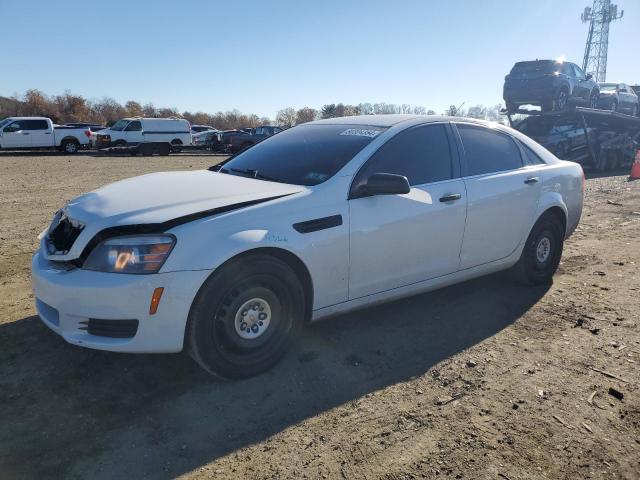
{"x": 618, "y": 97}
{"x": 232, "y": 262}
{"x": 636, "y": 89}
{"x": 202, "y": 128}
{"x": 205, "y": 140}
{"x": 27, "y": 133}
{"x": 550, "y": 84}
{"x": 236, "y": 143}
{"x": 133, "y": 131}
{"x": 94, "y": 127}
{"x": 562, "y": 135}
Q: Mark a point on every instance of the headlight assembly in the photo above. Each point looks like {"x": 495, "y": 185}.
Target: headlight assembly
{"x": 131, "y": 254}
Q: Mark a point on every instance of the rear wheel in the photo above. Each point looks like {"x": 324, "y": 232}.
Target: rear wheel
{"x": 245, "y": 317}
{"x": 542, "y": 251}
{"x": 593, "y": 101}
{"x": 561, "y": 99}
{"x": 70, "y": 146}
{"x": 120, "y": 143}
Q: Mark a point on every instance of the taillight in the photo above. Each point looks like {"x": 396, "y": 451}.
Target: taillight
{"x": 87, "y": 133}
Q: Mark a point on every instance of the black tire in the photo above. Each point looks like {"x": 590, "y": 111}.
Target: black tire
{"x": 545, "y": 241}
{"x": 634, "y": 111}
{"x": 561, "y": 101}
{"x": 511, "y": 107}
{"x": 216, "y": 320}
{"x": 593, "y": 100}
{"x": 614, "y": 106}
{"x": 120, "y": 143}
{"x": 70, "y": 147}
{"x": 176, "y": 146}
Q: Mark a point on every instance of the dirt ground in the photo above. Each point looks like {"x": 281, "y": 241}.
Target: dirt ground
{"x": 481, "y": 380}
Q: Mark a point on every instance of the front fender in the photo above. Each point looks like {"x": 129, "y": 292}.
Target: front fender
{"x": 206, "y": 245}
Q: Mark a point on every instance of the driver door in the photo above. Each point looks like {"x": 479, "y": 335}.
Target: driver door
{"x": 401, "y": 239}
{"x": 134, "y": 133}
{"x": 15, "y": 135}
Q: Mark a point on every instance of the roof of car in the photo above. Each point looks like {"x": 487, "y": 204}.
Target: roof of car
{"x": 388, "y": 120}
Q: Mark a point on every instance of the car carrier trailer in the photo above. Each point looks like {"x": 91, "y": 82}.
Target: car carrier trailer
{"x": 598, "y": 139}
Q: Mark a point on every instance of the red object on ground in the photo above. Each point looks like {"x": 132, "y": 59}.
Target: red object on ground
{"x": 635, "y": 168}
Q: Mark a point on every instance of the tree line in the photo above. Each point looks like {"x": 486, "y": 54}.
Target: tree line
{"x": 70, "y": 108}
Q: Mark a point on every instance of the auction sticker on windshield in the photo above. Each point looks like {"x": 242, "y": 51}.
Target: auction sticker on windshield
{"x": 361, "y": 132}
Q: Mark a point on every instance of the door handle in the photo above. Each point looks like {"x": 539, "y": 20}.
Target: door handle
{"x": 450, "y": 197}
{"x": 25, "y": 133}
{"x": 47, "y": 133}
{"x": 531, "y": 180}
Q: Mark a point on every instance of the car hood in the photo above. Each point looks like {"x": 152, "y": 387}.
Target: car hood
{"x": 164, "y": 197}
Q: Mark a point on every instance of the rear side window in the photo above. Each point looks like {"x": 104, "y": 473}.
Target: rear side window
{"x": 36, "y": 125}
{"x": 530, "y": 157}
{"x": 422, "y": 154}
{"x": 487, "y": 151}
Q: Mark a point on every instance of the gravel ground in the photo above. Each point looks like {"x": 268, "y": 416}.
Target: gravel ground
{"x": 480, "y": 380}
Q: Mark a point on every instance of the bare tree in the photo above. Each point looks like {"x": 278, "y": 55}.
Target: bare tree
{"x": 286, "y": 117}
{"x": 306, "y": 114}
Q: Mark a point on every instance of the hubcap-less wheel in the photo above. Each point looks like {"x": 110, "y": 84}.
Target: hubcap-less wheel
{"x": 253, "y": 318}
{"x": 561, "y": 102}
{"x": 543, "y": 250}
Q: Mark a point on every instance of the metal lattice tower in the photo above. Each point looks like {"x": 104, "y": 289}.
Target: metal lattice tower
{"x": 595, "y": 52}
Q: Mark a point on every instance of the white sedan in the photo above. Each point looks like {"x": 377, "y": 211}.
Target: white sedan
{"x": 321, "y": 219}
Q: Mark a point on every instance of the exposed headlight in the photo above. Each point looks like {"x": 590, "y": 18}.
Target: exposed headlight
{"x": 131, "y": 254}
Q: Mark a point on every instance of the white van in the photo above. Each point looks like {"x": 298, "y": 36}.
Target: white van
{"x": 133, "y": 131}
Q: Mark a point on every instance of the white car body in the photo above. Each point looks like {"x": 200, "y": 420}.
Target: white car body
{"x": 374, "y": 249}
{"x": 39, "y": 132}
{"x": 133, "y": 131}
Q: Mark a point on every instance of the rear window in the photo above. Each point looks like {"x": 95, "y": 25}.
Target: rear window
{"x": 532, "y": 69}
{"x": 303, "y": 155}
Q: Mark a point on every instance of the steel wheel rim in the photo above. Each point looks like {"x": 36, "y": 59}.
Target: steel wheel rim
{"x": 252, "y": 319}
{"x": 70, "y": 147}
{"x": 543, "y": 250}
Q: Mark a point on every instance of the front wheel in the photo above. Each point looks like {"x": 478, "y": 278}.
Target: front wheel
{"x": 593, "y": 102}
{"x": 542, "y": 252}
{"x": 245, "y": 317}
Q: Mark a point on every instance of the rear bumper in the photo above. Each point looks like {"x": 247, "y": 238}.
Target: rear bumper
{"x": 67, "y": 300}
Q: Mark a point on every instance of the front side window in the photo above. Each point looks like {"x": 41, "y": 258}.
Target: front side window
{"x": 134, "y": 127}
{"x": 15, "y": 126}
{"x": 119, "y": 125}
{"x": 488, "y": 151}
{"x": 579, "y": 73}
{"x": 303, "y": 155}
{"x": 422, "y": 154}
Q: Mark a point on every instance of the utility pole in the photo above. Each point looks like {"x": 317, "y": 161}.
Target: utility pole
{"x": 595, "y": 51}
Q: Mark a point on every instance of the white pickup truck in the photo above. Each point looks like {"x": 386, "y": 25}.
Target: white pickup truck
{"x": 27, "y": 133}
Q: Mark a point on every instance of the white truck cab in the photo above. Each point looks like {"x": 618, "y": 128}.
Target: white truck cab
{"x": 133, "y": 131}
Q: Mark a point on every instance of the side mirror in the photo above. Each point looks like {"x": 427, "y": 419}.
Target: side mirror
{"x": 386, "y": 184}
{"x": 589, "y": 76}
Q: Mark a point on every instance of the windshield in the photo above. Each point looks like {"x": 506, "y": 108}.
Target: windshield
{"x": 532, "y": 69}
{"x": 303, "y": 155}
{"x": 119, "y": 125}
{"x": 608, "y": 87}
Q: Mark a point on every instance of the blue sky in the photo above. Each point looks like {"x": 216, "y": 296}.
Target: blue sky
{"x": 265, "y": 55}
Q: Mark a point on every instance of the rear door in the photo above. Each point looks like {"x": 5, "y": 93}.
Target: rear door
{"x": 502, "y": 194}
{"x": 40, "y": 133}
{"x": 398, "y": 240}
